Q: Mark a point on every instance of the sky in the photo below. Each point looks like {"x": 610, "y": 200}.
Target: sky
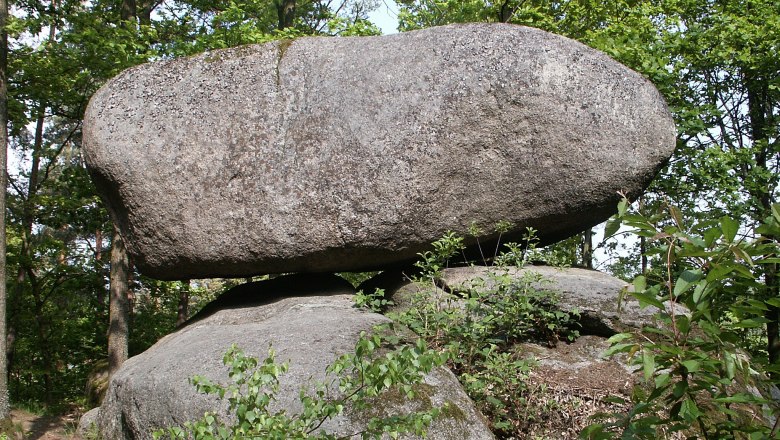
{"x": 386, "y": 17}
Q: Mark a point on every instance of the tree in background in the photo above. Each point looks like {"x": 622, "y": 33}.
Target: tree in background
{"x": 726, "y": 59}
{"x": 4, "y": 403}
{"x": 119, "y": 305}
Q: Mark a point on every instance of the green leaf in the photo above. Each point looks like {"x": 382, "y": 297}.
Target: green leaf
{"x": 699, "y": 292}
{"x": 676, "y": 215}
{"x": 648, "y": 364}
{"x": 744, "y": 271}
{"x": 622, "y": 207}
{"x": 742, "y": 255}
{"x": 710, "y": 235}
{"x": 662, "y": 380}
{"x": 612, "y": 227}
{"x": 640, "y": 283}
{"x": 689, "y": 411}
{"x": 619, "y": 348}
{"x": 648, "y": 299}
{"x": 619, "y": 337}
{"x": 596, "y": 432}
{"x": 731, "y": 365}
{"x": 730, "y": 227}
{"x": 719, "y": 271}
{"x": 685, "y": 280}
{"x": 691, "y": 365}
{"x": 679, "y": 389}
{"x": 739, "y": 398}
{"x": 751, "y": 323}
{"x": 495, "y": 402}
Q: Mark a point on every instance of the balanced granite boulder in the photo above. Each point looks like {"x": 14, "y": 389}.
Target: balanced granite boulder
{"x": 328, "y": 154}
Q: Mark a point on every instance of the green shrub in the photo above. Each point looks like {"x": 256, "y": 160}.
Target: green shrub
{"x": 481, "y": 327}
{"x": 500, "y": 386}
{"x": 708, "y": 288}
{"x": 359, "y": 377}
{"x": 375, "y": 302}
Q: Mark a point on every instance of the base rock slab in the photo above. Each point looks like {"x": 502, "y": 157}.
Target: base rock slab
{"x": 309, "y": 330}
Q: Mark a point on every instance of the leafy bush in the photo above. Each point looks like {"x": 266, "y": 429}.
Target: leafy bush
{"x": 375, "y": 302}
{"x": 360, "y": 377}
{"x": 434, "y": 261}
{"x": 709, "y": 288}
{"x": 480, "y": 328}
{"x": 499, "y": 385}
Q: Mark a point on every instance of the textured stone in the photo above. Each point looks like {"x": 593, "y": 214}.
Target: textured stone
{"x": 88, "y": 424}
{"x": 580, "y": 381}
{"x": 328, "y": 154}
{"x": 595, "y": 295}
{"x": 309, "y": 329}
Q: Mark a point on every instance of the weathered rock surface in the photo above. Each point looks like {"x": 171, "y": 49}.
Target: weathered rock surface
{"x": 594, "y": 294}
{"x": 328, "y": 154}
{"x": 88, "y": 424}
{"x": 310, "y": 330}
{"x": 580, "y": 380}
{"x": 97, "y": 383}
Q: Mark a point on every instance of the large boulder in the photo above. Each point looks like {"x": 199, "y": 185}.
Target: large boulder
{"x": 328, "y": 154}
{"x": 310, "y": 321}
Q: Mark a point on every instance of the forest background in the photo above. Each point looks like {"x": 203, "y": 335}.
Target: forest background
{"x": 715, "y": 62}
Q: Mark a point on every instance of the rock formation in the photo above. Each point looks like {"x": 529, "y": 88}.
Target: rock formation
{"x": 341, "y": 154}
{"x": 309, "y": 320}
{"x": 328, "y": 154}
{"x": 595, "y": 295}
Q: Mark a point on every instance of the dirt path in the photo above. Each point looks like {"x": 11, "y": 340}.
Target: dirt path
{"x": 44, "y": 427}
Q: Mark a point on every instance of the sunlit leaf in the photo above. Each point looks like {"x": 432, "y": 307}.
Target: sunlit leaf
{"x": 730, "y": 227}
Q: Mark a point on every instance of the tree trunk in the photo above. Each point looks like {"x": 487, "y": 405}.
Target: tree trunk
{"x": 119, "y": 305}
{"x": 772, "y": 315}
{"x": 506, "y": 12}
{"x": 286, "y": 13}
{"x": 587, "y": 248}
{"x": 144, "y": 10}
{"x": 98, "y": 246}
{"x": 28, "y": 209}
{"x": 128, "y": 10}
{"x": 4, "y": 403}
{"x": 43, "y": 331}
{"x": 28, "y": 217}
{"x": 761, "y": 119}
{"x": 184, "y": 303}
